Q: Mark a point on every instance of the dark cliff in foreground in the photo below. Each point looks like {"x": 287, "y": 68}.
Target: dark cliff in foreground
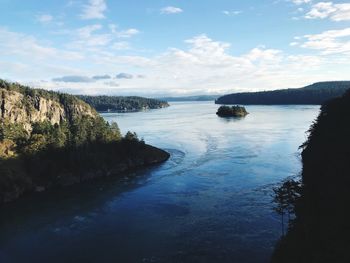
{"x": 123, "y": 104}
{"x": 321, "y": 232}
{"x": 49, "y": 139}
{"x": 316, "y": 94}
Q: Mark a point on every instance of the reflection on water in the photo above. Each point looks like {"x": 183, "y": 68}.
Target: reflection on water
{"x": 209, "y": 203}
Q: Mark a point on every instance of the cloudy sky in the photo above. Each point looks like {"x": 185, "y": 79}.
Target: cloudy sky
{"x": 183, "y": 47}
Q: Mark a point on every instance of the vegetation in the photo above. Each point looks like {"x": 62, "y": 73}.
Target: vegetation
{"x": 192, "y": 98}
{"x": 31, "y": 95}
{"x": 285, "y": 197}
{"x": 320, "y": 231}
{"x": 76, "y": 149}
{"x": 316, "y": 94}
{"x": 117, "y": 103}
{"x": 233, "y": 111}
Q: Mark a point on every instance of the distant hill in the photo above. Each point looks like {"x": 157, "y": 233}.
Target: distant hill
{"x": 316, "y": 94}
{"x": 192, "y": 98}
{"x": 119, "y": 103}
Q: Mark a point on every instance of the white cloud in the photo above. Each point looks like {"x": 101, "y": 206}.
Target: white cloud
{"x": 329, "y": 42}
{"x": 96, "y": 35}
{"x": 122, "y": 45}
{"x": 88, "y": 37}
{"x": 35, "y": 58}
{"x": 208, "y": 65}
{"x": 231, "y": 13}
{"x": 305, "y": 61}
{"x": 111, "y": 84}
{"x": 203, "y": 52}
{"x": 94, "y": 10}
{"x": 123, "y": 33}
{"x": 204, "y": 66}
{"x": 9, "y": 68}
{"x": 300, "y": 2}
{"x": 18, "y": 44}
{"x": 171, "y": 10}
{"x": 86, "y": 32}
{"x": 127, "y": 33}
{"x": 44, "y": 18}
{"x": 266, "y": 55}
{"x": 335, "y": 12}
{"x": 111, "y": 60}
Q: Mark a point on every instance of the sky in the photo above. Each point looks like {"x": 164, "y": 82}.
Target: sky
{"x": 173, "y": 48}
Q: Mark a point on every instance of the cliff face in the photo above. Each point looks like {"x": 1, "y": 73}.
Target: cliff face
{"x": 51, "y": 140}
{"x": 16, "y": 107}
{"x": 320, "y": 233}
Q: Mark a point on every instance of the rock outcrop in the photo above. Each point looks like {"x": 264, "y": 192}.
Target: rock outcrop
{"x": 49, "y": 139}
{"x": 20, "y": 108}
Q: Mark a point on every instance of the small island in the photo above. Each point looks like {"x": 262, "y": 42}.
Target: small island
{"x": 232, "y": 111}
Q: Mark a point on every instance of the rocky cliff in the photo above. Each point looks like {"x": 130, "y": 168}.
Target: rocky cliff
{"x": 17, "y": 107}
{"x": 49, "y": 139}
{"x": 320, "y": 231}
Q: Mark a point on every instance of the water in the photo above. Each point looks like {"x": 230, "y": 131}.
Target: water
{"x": 211, "y": 202}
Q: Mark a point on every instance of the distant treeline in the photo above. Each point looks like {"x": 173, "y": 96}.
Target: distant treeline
{"x": 192, "y": 98}
{"x": 119, "y": 103}
{"x": 315, "y": 94}
{"x": 320, "y": 231}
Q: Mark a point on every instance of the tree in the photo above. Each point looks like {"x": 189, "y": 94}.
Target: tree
{"x": 292, "y": 190}
{"x": 131, "y": 136}
{"x": 280, "y": 198}
{"x": 118, "y": 103}
{"x": 285, "y": 198}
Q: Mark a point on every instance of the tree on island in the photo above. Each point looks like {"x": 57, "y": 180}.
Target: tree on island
{"x": 232, "y": 111}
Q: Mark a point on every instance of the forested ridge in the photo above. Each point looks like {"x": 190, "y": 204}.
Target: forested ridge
{"x": 49, "y": 139}
{"x": 315, "y": 94}
{"x": 192, "y": 98}
{"x": 320, "y": 232}
{"x": 119, "y": 103}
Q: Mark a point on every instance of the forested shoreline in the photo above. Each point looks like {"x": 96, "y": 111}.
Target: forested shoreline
{"x": 122, "y": 104}
{"x": 50, "y": 139}
{"x": 314, "y": 94}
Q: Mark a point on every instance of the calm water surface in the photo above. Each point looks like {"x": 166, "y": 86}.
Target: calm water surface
{"x": 211, "y": 202}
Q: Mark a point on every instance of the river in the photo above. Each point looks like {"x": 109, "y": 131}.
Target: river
{"x": 210, "y": 202}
